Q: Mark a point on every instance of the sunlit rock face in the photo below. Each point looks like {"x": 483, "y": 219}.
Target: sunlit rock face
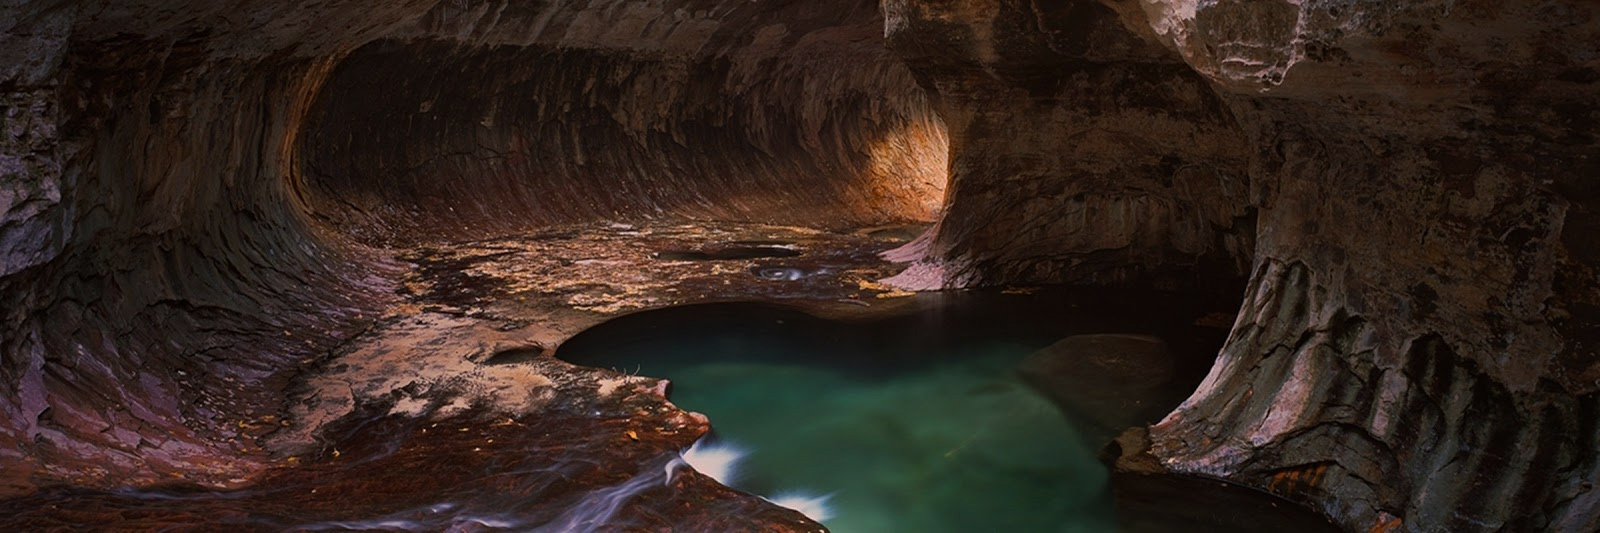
{"x": 1416, "y": 345}
{"x": 1081, "y": 150}
{"x": 520, "y": 116}
{"x": 194, "y": 197}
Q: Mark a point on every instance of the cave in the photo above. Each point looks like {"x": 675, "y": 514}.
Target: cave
{"x": 311, "y": 265}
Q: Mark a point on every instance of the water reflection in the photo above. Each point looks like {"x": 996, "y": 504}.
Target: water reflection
{"x": 936, "y": 389}
{"x": 944, "y": 439}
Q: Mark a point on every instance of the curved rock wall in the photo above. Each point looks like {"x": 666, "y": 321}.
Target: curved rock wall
{"x": 175, "y": 248}
{"x": 187, "y": 193}
{"x": 1420, "y": 304}
{"x": 779, "y": 113}
{"x": 1412, "y": 183}
{"x": 173, "y": 298}
{"x": 1080, "y": 151}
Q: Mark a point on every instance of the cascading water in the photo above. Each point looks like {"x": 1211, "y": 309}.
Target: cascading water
{"x": 720, "y": 461}
{"x": 869, "y": 428}
{"x": 597, "y": 508}
{"x": 814, "y": 507}
{"x": 912, "y": 424}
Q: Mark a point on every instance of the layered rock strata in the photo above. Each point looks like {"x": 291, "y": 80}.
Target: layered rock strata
{"x": 1410, "y": 184}
{"x": 197, "y": 198}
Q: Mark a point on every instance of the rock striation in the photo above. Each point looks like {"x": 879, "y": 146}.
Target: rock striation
{"x": 198, "y": 201}
{"x": 530, "y": 117}
{"x": 197, "y": 198}
{"x": 1081, "y": 151}
{"x": 1407, "y": 186}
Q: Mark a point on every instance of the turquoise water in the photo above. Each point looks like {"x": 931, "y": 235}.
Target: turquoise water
{"x": 903, "y": 429}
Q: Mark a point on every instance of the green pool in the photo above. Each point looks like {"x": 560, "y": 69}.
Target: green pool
{"x": 911, "y": 425}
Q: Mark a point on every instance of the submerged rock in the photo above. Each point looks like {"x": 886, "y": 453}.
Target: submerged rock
{"x": 202, "y": 205}
{"x": 1112, "y": 380}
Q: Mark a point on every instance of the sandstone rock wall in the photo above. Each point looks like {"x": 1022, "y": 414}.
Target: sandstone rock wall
{"x": 174, "y": 246}
{"x": 151, "y": 307}
{"x": 1423, "y": 164}
{"x": 188, "y": 193}
{"x": 1412, "y": 184}
{"x": 785, "y": 113}
{"x": 1080, "y": 151}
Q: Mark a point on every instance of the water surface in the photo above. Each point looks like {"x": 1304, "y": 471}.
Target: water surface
{"x": 915, "y": 424}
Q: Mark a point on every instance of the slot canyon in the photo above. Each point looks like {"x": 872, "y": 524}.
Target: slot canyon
{"x": 315, "y": 264}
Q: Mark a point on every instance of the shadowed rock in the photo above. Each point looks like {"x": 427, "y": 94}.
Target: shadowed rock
{"x": 205, "y": 205}
{"x": 1112, "y": 380}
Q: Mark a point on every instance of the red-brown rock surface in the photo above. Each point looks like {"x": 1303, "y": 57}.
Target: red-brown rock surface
{"x": 1411, "y": 184}
{"x": 198, "y": 200}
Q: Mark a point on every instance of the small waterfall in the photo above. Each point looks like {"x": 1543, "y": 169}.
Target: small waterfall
{"x": 719, "y": 460}
{"x": 437, "y": 517}
{"x": 814, "y": 507}
{"x": 599, "y": 506}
